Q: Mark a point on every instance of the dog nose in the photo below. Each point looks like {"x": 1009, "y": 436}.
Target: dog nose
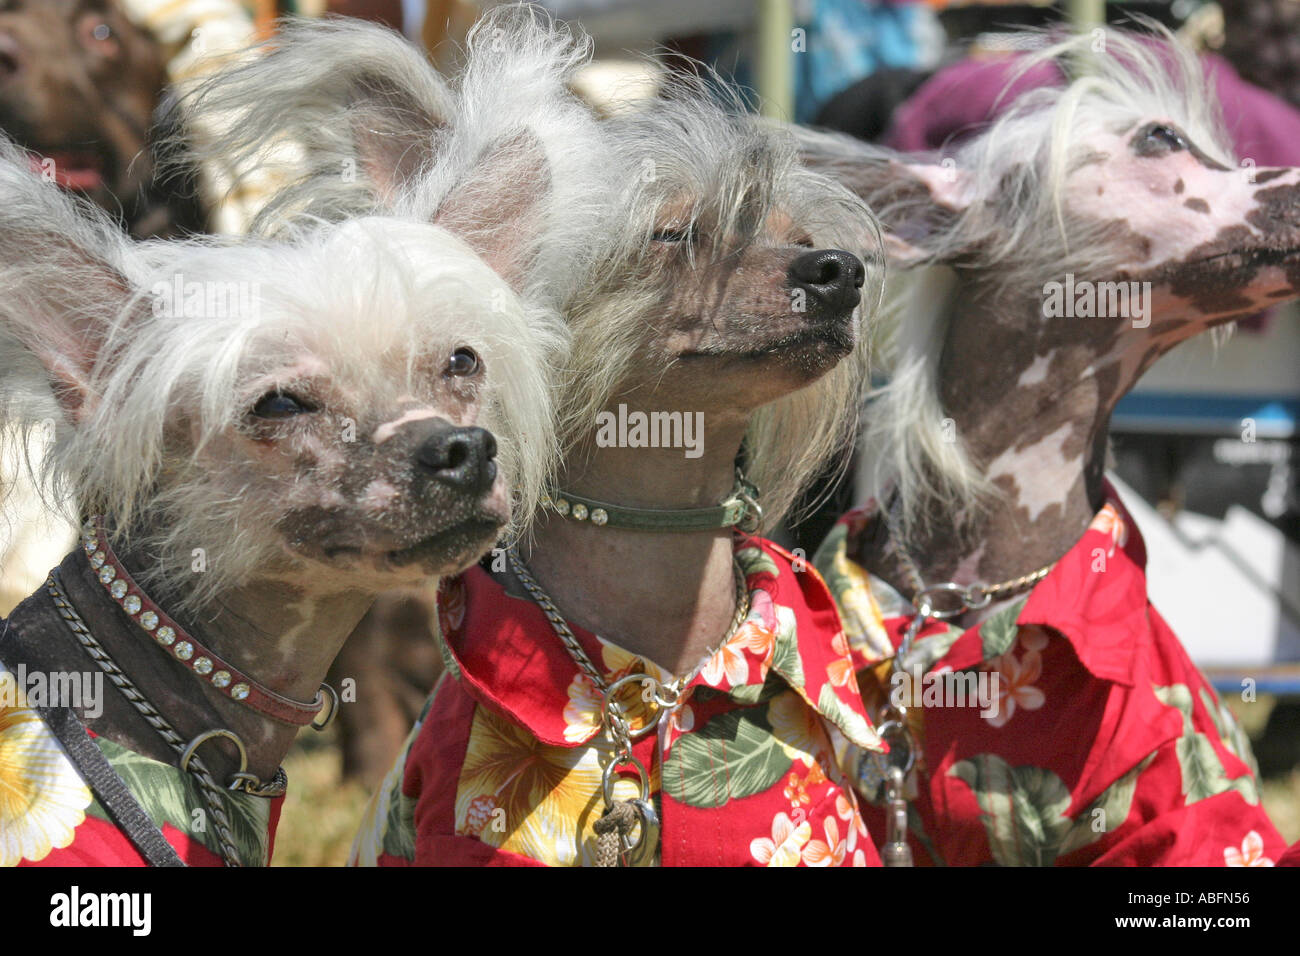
{"x": 461, "y": 458}
{"x": 831, "y": 276}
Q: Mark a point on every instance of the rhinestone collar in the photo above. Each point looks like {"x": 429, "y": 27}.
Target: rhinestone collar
{"x": 181, "y": 646}
{"x": 740, "y": 510}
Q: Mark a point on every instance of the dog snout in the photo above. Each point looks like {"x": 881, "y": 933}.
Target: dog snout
{"x": 831, "y": 277}
{"x": 461, "y": 458}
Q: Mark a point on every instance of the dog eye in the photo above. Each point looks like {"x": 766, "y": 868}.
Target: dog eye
{"x": 94, "y": 32}
{"x": 463, "y": 363}
{"x": 680, "y": 234}
{"x": 281, "y": 405}
{"x": 1158, "y": 139}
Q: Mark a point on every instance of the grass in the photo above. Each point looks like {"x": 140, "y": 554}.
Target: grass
{"x": 321, "y": 812}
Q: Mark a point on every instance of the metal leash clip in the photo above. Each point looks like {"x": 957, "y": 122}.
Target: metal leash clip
{"x": 628, "y": 830}
{"x": 895, "y": 851}
{"x": 638, "y": 832}
{"x": 894, "y": 767}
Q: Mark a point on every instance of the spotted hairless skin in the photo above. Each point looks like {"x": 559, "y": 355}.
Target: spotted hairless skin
{"x": 723, "y": 341}
{"x": 1031, "y": 396}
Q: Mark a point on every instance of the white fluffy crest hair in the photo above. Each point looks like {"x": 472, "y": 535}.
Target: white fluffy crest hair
{"x": 357, "y": 121}
{"x": 370, "y": 297}
{"x": 598, "y": 222}
{"x": 1010, "y": 229}
{"x": 698, "y": 154}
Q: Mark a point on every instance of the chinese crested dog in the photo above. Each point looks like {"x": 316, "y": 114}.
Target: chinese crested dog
{"x": 268, "y": 433}
{"x": 356, "y": 120}
{"x": 729, "y": 293}
{"x": 1051, "y": 259}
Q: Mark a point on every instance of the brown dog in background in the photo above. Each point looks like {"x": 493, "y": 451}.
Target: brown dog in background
{"x": 80, "y": 85}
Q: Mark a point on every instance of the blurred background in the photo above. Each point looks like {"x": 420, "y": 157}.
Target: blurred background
{"x": 1205, "y": 449}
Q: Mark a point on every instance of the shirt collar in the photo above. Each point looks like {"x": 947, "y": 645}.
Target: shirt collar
{"x": 1095, "y": 596}
{"x": 507, "y": 655}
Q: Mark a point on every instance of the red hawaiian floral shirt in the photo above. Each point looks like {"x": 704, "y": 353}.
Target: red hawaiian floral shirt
{"x": 505, "y": 766}
{"x": 49, "y": 817}
{"x": 1097, "y": 740}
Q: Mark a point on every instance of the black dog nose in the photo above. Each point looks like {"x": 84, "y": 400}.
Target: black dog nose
{"x": 460, "y": 458}
{"x": 831, "y": 277}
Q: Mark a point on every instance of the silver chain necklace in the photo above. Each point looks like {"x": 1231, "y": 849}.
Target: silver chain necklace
{"x": 615, "y": 842}
{"x": 892, "y": 724}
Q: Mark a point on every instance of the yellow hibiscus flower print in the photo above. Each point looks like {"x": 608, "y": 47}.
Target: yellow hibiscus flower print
{"x": 863, "y": 617}
{"x": 523, "y": 796}
{"x": 797, "y": 728}
{"x": 42, "y": 798}
{"x": 583, "y": 713}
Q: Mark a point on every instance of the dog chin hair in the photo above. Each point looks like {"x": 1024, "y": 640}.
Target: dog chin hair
{"x": 830, "y": 342}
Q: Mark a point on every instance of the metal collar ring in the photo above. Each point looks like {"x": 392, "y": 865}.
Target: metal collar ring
{"x": 188, "y": 754}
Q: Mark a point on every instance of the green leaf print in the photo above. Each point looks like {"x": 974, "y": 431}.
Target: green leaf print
{"x": 926, "y": 651}
{"x": 748, "y": 694}
{"x": 169, "y": 796}
{"x": 785, "y": 651}
{"x": 998, "y": 633}
{"x": 853, "y": 724}
{"x": 1023, "y": 809}
{"x": 1114, "y": 804}
{"x": 399, "y": 827}
{"x": 1203, "y": 772}
{"x": 734, "y": 755}
{"x": 399, "y": 818}
{"x": 753, "y": 560}
{"x": 1230, "y": 732}
{"x": 448, "y": 659}
{"x": 824, "y": 560}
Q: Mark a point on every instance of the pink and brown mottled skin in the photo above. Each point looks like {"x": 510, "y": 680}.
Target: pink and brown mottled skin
{"x": 1031, "y": 396}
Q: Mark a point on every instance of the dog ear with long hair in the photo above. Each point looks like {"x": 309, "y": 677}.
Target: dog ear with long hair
{"x": 355, "y": 120}
{"x": 915, "y": 201}
{"x": 62, "y": 270}
{"x": 341, "y": 113}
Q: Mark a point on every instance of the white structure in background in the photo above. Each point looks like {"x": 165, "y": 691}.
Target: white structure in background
{"x": 197, "y": 34}
{"x": 1230, "y": 589}
{"x": 33, "y": 537}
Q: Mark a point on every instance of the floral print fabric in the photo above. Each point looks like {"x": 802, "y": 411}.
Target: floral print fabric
{"x": 1107, "y": 746}
{"x": 505, "y": 766}
{"x": 49, "y": 817}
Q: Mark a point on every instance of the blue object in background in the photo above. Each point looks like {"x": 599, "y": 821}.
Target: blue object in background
{"x": 842, "y": 42}
{"x": 851, "y": 39}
